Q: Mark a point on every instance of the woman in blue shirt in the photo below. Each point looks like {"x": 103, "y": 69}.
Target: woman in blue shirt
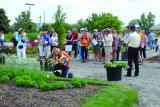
{"x": 21, "y": 46}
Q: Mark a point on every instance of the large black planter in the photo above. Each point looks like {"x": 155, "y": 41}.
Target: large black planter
{"x": 114, "y": 74}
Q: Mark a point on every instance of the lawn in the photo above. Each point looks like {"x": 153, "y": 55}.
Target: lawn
{"x": 103, "y": 94}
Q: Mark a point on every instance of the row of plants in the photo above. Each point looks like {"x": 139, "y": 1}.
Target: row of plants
{"x": 24, "y": 77}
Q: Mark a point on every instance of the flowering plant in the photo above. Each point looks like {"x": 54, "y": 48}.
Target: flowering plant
{"x": 116, "y": 64}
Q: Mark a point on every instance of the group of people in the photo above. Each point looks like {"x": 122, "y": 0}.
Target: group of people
{"x": 106, "y": 44}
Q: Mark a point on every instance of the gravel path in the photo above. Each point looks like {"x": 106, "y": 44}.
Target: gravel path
{"x": 147, "y": 82}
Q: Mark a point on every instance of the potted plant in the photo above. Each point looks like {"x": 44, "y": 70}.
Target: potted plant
{"x": 114, "y": 70}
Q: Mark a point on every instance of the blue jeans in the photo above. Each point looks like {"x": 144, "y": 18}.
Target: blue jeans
{"x": 63, "y": 68}
{"x": 79, "y": 53}
{"x": 2, "y": 42}
{"x": 151, "y": 44}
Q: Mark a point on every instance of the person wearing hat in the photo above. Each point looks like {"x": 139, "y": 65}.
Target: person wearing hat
{"x": 79, "y": 45}
{"x": 96, "y": 47}
{"x": 133, "y": 42}
{"x": 108, "y": 40}
{"x": 85, "y": 40}
{"x": 61, "y": 60}
{"x": 21, "y": 45}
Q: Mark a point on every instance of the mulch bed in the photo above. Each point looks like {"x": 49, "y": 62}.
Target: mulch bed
{"x": 11, "y": 96}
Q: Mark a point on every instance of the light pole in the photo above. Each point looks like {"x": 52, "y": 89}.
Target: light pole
{"x": 40, "y": 20}
{"x": 29, "y": 4}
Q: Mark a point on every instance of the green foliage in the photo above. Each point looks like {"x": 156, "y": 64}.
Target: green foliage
{"x": 24, "y": 81}
{"x": 94, "y": 82}
{"x": 30, "y": 36}
{"x": 113, "y": 96}
{"x": 24, "y": 21}
{"x": 46, "y": 27}
{"x": 4, "y": 22}
{"x": 133, "y": 22}
{"x": 80, "y": 24}
{"x": 59, "y": 15}
{"x": 15, "y": 71}
{"x": 78, "y": 83}
{"x": 52, "y": 86}
{"x": 44, "y": 86}
{"x": 4, "y": 79}
{"x": 103, "y": 21}
{"x": 116, "y": 64}
{"x": 58, "y": 85}
{"x": 59, "y": 25}
{"x": 145, "y": 22}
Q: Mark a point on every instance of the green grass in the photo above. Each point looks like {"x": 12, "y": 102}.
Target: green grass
{"x": 115, "y": 95}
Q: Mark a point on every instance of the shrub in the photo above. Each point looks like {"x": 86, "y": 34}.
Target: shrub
{"x": 44, "y": 86}
{"x": 78, "y": 83}
{"x": 52, "y": 86}
{"x": 4, "y": 79}
{"x": 24, "y": 81}
{"x": 58, "y": 85}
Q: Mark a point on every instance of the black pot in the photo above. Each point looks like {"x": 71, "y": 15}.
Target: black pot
{"x": 114, "y": 74}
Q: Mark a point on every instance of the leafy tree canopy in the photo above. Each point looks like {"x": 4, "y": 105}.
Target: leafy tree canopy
{"x": 4, "y": 22}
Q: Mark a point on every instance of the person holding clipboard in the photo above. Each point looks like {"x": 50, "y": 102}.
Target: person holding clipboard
{"x": 68, "y": 47}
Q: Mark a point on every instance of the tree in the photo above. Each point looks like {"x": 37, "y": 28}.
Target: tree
{"x": 24, "y": 21}
{"x": 59, "y": 25}
{"x": 4, "y": 22}
{"x": 133, "y": 22}
{"x": 80, "y": 24}
{"x": 145, "y": 22}
{"x": 46, "y": 27}
{"x": 102, "y": 21}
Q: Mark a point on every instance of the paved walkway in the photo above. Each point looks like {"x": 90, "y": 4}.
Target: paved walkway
{"x": 148, "y": 82}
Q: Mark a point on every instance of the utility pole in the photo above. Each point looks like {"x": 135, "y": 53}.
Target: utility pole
{"x": 29, "y": 4}
{"x": 40, "y": 19}
{"x": 44, "y": 17}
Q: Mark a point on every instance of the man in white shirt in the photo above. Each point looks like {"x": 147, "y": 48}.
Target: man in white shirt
{"x": 108, "y": 40}
{"x": 133, "y": 42}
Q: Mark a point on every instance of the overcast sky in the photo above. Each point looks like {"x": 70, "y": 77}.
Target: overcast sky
{"x": 77, "y": 9}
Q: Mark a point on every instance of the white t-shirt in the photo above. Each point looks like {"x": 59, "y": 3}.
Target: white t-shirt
{"x": 54, "y": 40}
{"x": 2, "y": 36}
{"x": 133, "y": 40}
{"x": 108, "y": 40}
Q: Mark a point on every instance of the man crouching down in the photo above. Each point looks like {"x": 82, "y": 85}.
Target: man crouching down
{"x": 62, "y": 61}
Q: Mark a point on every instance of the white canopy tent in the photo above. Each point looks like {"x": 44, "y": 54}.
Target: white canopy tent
{"x": 155, "y": 28}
